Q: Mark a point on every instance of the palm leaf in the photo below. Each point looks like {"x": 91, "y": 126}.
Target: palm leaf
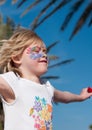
{"x": 52, "y": 45}
{"x": 61, "y": 63}
{"x": 74, "y": 9}
{"x": 21, "y": 3}
{"x": 7, "y": 29}
{"x": 90, "y": 22}
{"x": 53, "y": 57}
{"x": 60, "y": 5}
{"x": 34, "y": 23}
{"x": 2, "y": 2}
{"x": 82, "y": 19}
{"x": 1, "y": 19}
{"x": 30, "y": 7}
{"x": 50, "y": 77}
{"x": 90, "y": 127}
{"x": 14, "y": 1}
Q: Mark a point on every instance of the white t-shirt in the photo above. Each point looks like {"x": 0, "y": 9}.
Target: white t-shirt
{"x": 32, "y": 108}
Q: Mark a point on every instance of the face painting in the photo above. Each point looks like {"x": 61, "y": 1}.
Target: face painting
{"x": 36, "y": 52}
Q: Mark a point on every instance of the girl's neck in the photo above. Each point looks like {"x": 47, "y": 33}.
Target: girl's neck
{"x": 32, "y": 78}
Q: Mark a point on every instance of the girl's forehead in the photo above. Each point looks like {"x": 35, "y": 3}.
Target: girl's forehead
{"x": 38, "y": 45}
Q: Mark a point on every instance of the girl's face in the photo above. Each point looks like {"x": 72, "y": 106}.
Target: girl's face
{"x": 36, "y": 52}
{"x": 34, "y": 60}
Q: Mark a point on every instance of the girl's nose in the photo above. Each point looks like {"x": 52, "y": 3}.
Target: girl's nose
{"x": 44, "y": 55}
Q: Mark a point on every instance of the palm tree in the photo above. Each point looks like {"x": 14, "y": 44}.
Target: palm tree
{"x": 75, "y": 7}
{"x": 90, "y": 127}
{"x": 7, "y": 28}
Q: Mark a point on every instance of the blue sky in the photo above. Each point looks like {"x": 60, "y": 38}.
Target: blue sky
{"x": 73, "y": 76}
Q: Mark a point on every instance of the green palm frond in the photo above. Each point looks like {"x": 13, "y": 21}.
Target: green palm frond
{"x": 61, "y": 63}
{"x": 21, "y": 3}
{"x": 53, "y": 57}
{"x": 58, "y": 7}
{"x": 75, "y": 6}
{"x": 52, "y": 45}
{"x": 30, "y": 7}
{"x": 50, "y": 77}
{"x": 90, "y": 127}
{"x": 14, "y": 1}
{"x": 6, "y": 29}
{"x": 2, "y": 2}
{"x": 35, "y": 21}
{"x": 84, "y": 17}
{"x": 90, "y": 22}
{"x": 69, "y": 16}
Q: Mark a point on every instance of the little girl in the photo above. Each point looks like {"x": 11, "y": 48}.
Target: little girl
{"x": 27, "y": 100}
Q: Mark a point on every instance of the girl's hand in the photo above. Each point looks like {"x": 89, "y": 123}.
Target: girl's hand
{"x": 86, "y": 93}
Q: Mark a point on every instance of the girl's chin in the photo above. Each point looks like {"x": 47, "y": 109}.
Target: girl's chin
{"x": 43, "y": 72}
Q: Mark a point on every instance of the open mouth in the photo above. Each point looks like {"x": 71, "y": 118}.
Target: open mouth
{"x": 43, "y": 61}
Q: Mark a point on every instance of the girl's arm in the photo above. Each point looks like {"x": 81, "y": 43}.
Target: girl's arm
{"x": 5, "y": 91}
{"x": 67, "y": 97}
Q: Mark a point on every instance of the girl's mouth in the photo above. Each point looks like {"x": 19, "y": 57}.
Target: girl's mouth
{"x": 44, "y": 61}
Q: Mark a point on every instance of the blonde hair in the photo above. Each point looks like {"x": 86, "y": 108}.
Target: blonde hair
{"x": 21, "y": 39}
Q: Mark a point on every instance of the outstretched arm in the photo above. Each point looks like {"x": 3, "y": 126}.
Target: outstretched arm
{"x": 67, "y": 97}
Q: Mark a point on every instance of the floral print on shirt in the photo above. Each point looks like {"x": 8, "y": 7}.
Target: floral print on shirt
{"x": 42, "y": 114}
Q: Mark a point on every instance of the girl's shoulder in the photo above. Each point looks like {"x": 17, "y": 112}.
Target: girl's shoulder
{"x": 50, "y": 87}
{"x": 9, "y": 74}
{"x": 7, "y": 84}
{"x": 9, "y": 77}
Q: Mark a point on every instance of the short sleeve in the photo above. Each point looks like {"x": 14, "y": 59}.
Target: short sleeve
{"x": 11, "y": 79}
{"x": 50, "y": 88}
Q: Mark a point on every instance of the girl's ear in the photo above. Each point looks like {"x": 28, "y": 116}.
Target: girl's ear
{"x": 16, "y": 59}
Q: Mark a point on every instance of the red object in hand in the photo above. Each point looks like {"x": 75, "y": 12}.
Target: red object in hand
{"x": 89, "y": 90}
